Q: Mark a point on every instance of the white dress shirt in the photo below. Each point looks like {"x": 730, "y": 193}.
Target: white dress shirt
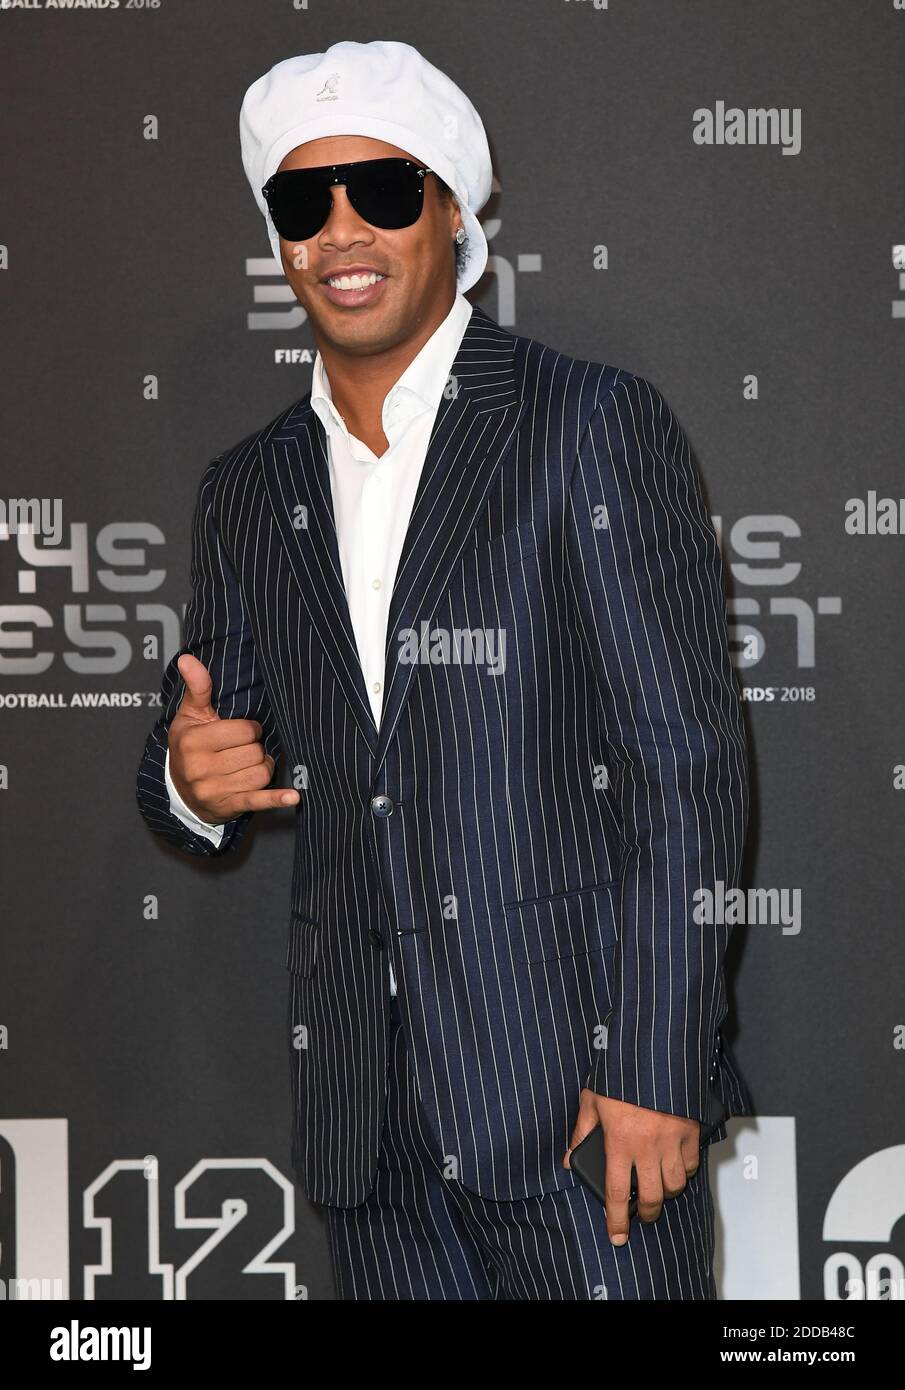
{"x": 372, "y": 505}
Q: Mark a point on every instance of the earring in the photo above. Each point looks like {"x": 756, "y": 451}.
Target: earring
{"x": 460, "y": 235}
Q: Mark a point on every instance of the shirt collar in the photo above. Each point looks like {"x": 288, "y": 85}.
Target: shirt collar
{"x": 421, "y": 385}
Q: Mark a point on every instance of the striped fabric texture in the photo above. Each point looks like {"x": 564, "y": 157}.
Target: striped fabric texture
{"x": 560, "y": 766}
{"x": 422, "y": 1235}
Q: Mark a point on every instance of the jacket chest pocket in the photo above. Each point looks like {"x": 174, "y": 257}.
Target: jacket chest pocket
{"x": 575, "y": 923}
{"x": 510, "y": 548}
{"x": 301, "y": 947}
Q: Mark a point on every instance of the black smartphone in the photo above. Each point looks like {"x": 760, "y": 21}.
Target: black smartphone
{"x": 588, "y": 1159}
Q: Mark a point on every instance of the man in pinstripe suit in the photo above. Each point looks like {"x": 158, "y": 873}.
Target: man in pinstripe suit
{"x": 468, "y": 588}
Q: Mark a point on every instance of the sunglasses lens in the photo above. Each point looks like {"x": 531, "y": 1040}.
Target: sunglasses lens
{"x": 299, "y": 204}
{"x": 388, "y": 193}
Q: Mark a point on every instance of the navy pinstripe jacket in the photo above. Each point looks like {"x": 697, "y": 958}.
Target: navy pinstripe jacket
{"x": 552, "y": 810}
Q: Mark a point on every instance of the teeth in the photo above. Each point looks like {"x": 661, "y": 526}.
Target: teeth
{"x": 355, "y": 282}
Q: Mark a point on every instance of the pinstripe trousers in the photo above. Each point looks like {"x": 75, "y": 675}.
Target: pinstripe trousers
{"x": 423, "y": 1235}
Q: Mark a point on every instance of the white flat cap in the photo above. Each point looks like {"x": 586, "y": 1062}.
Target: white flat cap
{"x": 385, "y": 90}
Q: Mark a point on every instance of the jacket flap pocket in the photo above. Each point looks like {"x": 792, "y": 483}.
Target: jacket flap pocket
{"x": 301, "y": 950}
{"x": 569, "y": 924}
{"x": 508, "y": 548}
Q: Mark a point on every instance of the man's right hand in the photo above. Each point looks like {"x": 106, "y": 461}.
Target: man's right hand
{"x": 218, "y": 766}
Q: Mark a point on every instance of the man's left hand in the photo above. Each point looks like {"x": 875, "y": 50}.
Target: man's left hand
{"x": 664, "y": 1149}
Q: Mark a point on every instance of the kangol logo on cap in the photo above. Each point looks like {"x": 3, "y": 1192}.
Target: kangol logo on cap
{"x": 328, "y": 91}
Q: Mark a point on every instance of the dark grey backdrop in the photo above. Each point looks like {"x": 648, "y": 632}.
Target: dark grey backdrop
{"x": 143, "y": 1059}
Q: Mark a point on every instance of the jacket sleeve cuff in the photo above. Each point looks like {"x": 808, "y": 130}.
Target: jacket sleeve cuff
{"x": 154, "y": 803}
{"x": 633, "y": 1081}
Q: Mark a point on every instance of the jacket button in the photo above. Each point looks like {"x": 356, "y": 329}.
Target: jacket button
{"x": 376, "y": 938}
{"x": 382, "y": 806}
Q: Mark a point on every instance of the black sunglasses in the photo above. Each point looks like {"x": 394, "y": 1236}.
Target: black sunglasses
{"x": 388, "y": 193}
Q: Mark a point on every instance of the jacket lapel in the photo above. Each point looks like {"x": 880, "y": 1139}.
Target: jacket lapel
{"x": 472, "y": 433}
{"x": 297, "y": 476}
{"x": 473, "y": 430}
